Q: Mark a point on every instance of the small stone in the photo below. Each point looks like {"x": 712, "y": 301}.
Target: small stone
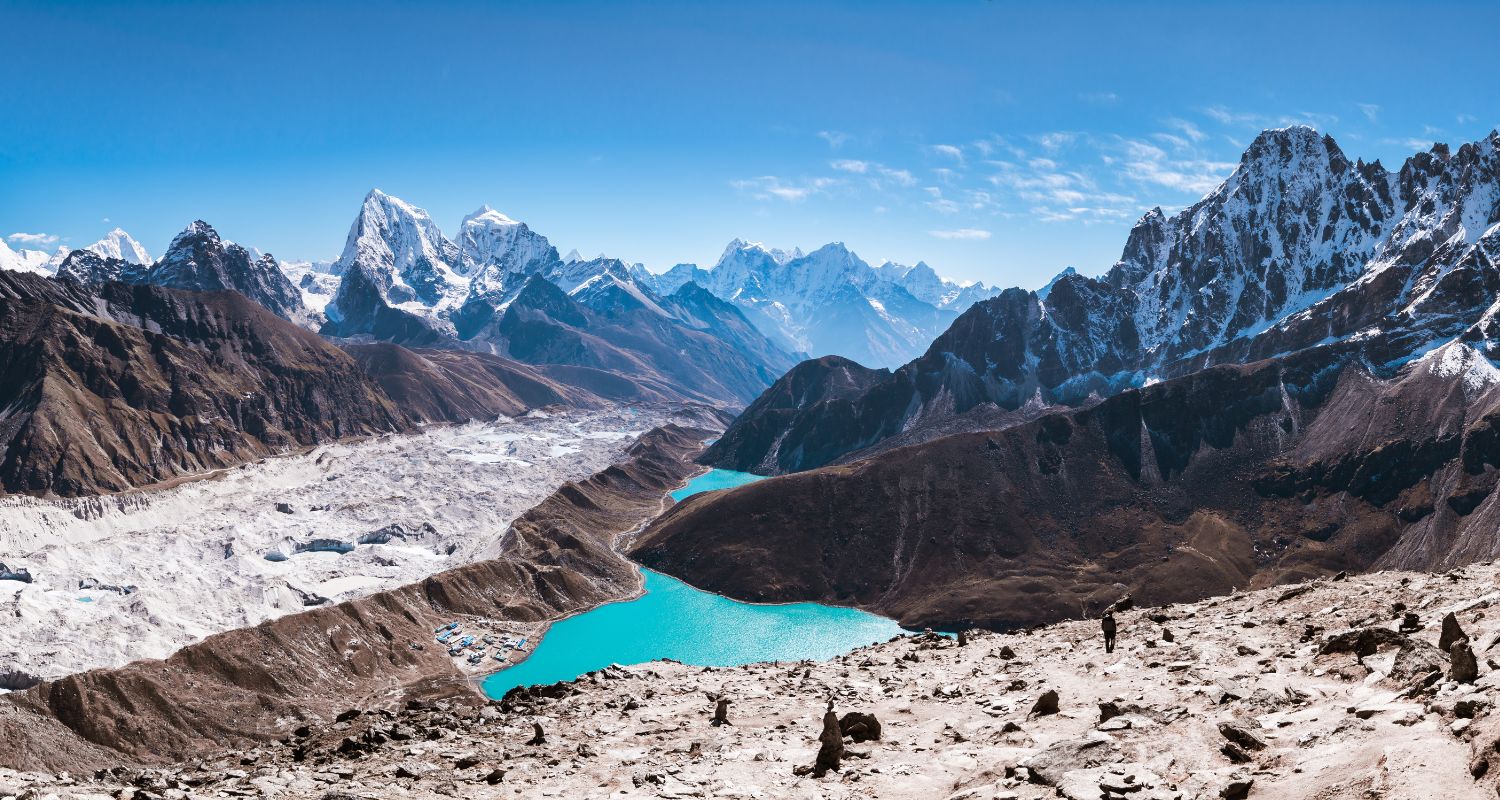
{"x": 1237, "y": 789}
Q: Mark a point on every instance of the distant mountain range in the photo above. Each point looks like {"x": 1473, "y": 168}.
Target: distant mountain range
{"x": 117, "y": 244}
{"x": 1299, "y": 248}
{"x": 401, "y": 279}
{"x": 830, "y": 302}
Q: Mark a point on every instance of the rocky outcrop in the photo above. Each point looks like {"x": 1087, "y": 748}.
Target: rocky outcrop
{"x": 1228, "y": 477}
{"x": 254, "y": 686}
{"x": 831, "y": 384}
{"x": 1297, "y": 250}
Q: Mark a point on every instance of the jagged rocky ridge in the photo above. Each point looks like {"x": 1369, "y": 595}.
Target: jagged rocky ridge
{"x": 1298, "y": 248}
{"x": 196, "y": 260}
{"x": 1232, "y": 476}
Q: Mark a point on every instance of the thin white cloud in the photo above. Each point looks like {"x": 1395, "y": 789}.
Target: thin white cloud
{"x": 1057, "y": 140}
{"x": 950, "y": 151}
{"x": 835, "y": 139}
{"x": 1243, "y": 119}
{"x": 899, "y": 177}
{"x": 850, "y": 165}
{"x": 34, "y": 239}
{"x": 1411, "y": 143}
{"x": 1465, "y": 119}
{"x": 771, "y": 187}
{"x": 1370, "y": 110}
{"x": 1143, "y": 161}
{"x": 961, "y": 233}
{"x": 1100, "y": 98}
{"x": 1188, "y": 129}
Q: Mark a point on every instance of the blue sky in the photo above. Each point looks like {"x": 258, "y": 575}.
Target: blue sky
{"x": 997, "y": 140}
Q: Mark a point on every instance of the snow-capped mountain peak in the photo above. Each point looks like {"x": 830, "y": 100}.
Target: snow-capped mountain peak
{"x": 830, "y": 301}
{"x": 396, "y": 250}
{"x": 37, "y": 261}
{"x": 497, "y": 250}
{"x": 119, "y": 244}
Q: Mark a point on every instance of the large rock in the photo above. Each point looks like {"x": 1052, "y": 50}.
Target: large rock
{"x": 1049, "y": 766}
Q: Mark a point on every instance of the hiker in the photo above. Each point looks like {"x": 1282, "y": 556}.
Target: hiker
{"x": 1108, "y": 623}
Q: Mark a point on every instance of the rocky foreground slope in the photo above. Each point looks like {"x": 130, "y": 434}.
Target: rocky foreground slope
{"x": 1328, "y": 689}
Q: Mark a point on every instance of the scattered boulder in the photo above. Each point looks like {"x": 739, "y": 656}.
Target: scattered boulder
{"x": 1241, "y": 737}
{"x": 831, "y": 748}
{"x": 1417, "y": 659}
{"x": 1049, "y": 766}
{"x": 1451, "y": 632}
{"x": 1463, "y": 666}
{"x": 860, "y": 727}
{"x": 1362, "y": 642}
{"x": 1237, "y": 789}
{"x": 1045, "y": 705}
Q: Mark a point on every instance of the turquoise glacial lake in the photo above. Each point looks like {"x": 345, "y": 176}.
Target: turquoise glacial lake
{"x": 674, "y": 620}
{"x": 715, "y": 479}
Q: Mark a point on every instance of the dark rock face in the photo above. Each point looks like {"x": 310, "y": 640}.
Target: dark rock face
{"x": 1232, "y": 476}
{"x": 1298, "y": 249}
{"x": 830, "y": 383}
{"x": 433, "y": 385}
{"x": 86, "y": 266}
{"x": 618, "y": 333}
{"x": 197, "y": 260}
{"x": 123, "y": 385}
